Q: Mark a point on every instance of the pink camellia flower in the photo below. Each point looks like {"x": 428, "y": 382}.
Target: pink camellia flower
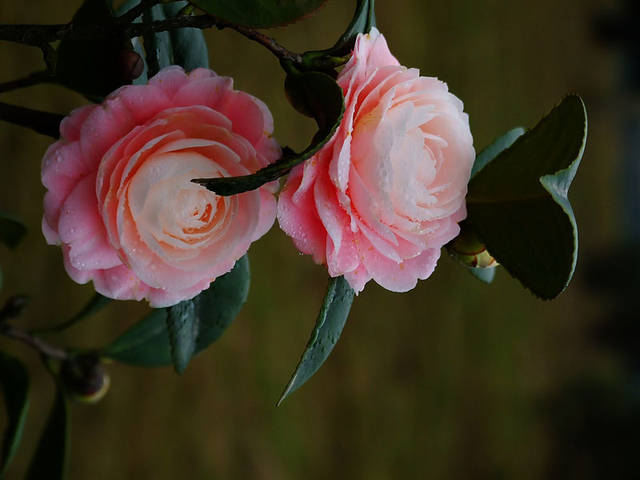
{"x": 120, "y": 199}
{"x": 387, "y": 192}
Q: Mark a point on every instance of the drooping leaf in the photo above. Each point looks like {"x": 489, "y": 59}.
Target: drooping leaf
{"x": 50, "y": 459}
{"x": 259, "y": 13}
{"x": 331, "y": 320}
{"x": 183, "y": 46}
{"x": 147, "y": 343}
{"x": 518, "y": 202}
{"x": 93, "y": 66}
{"x": 183, "y": 324}
{"x": 313, "y": 94}
{"x": 363, "y": 20}
{"x": 14, "y": 379}
{"x": 12, "y": 230}
{"x": 498, "y": 146}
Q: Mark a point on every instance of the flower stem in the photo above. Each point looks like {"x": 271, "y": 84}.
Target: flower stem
{"x": 44, "y": 123}
{"x": 47, "y": 350}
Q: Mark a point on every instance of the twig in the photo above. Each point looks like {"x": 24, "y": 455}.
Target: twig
{"x": 40, "y": 345}
{"x": 34, "y": 35}
{"x": 44, "y": 123}
{"x": 39, "y": 35}
{"x": 31, "y": 79}
{"x": 207, "y": 21}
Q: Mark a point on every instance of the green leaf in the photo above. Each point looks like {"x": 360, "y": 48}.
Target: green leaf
{"x": 183, "y": 46}
{"x": 498, "y": 146}
{"x": 313, "y": 94}
{"x": 50, "y": 459}
{"x": 518, "y": 202}
{"x": 259, "y": 13}
{"x": 11, "y": 230}
{"x": 14, "y": 379}
{"x": 333, "y": 315}
{"x": 183, "y": 324}
{"x": 93, "y": 66}
{"x": 363, "y": 20}
{"x": 147, "y": 343}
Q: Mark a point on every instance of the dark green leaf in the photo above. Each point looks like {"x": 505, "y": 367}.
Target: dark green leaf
{"x": 498, "y": 146}
{"x": 147, "y": 343}
{"x": 259, "y": 13}
{"x": 1, "y": 278}
{"x": 313, "y": 94}
{"x": 183, "y": 46}
{"x": 11, "y": 230}
{"x": 93, "y": 66}
{"x": 183, "y": 324}
{"x": 363, "y": 20}
{"x": 518, "y": 202}
{"x": 333, "y": 315}
{"x": 15, "y": 388}
{"x": 50, "y": 459}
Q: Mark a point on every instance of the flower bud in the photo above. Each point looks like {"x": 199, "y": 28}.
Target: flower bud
{"x": 470, "y": 250}
{"x": 85, "y": 378}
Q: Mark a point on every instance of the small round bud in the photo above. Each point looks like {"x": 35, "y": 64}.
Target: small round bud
{"x": 85, "y": 378}
{"x": 130, "y": 64}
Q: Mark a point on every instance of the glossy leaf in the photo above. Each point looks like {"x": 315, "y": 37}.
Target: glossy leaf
{"x": 11, "y": 230}
{"x": 259, "y": 13}
{"x": 14, "y": 379}
{"x": 331, "y": 320}
{"x": 50, "y": 459}
{"x": 147, "y": 343}
{"x": 183, "y": 324}
{"x": 518, "y": 202}
{"x": 93, "y": 66}
{"x": 363, "y": 20}
{"x": 182, "y": 46}
{"x": 313, "y": 94}
{"x": 498, "y": 146}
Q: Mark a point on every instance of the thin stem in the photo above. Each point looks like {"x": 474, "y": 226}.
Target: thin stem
{"x": 207, "y": 21}
{"x": 31, "y": 79}
{"x": 44, "y": 123}
{"x": 34, "y": 35}
{"x": 38, "y": 344}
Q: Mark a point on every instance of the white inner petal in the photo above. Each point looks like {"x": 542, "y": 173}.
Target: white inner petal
{"x": 173, "y": 214}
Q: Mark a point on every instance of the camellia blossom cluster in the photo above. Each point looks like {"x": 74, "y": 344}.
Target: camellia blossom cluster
{"x": 387, "y": 192}
{"x": 120, "y": 199}
{"x": 378, "y": 201}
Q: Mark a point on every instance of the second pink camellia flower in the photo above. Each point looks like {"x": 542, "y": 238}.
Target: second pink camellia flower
{"x": 120, "y": 199}
{"x": 387, "y": 192}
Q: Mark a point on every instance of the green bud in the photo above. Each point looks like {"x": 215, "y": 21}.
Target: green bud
{"x": 85, "y": 378}
{"x": 470, "y": 250}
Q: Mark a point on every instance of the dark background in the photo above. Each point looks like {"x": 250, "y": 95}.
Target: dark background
{"x": 454, "y": 380}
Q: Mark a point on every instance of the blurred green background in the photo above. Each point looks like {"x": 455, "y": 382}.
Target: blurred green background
{"x": 454, "y": 380}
